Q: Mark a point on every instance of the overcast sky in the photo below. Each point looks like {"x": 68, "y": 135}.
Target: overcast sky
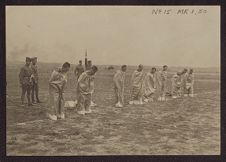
{"x": 114, "y": 35}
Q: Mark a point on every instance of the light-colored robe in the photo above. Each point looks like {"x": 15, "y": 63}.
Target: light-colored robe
{"x": 119, "y": 80}
{"x": 176, "y": 85}
{"x": 163, "y": 82}
{"x": 137, "y": 84}
{"x": 189, "y": 83}
{"x": 57, "y": 84}
{"x": 150, "y": 84}
{"x": 85, "y": 89}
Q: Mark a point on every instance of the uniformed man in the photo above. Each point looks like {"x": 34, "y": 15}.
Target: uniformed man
{"x": 89, "y": 65}
{"x": 35, "y": 88}
{"x": 79, "y": 69}
{"x": 26, "y": 81}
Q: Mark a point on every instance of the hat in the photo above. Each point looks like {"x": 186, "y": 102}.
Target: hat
{"x": 28, "y": 59}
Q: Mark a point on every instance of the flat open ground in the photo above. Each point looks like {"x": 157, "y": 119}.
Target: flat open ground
{"x": 176, "y": 127}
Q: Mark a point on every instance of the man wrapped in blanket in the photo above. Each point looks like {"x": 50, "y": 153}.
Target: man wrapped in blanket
{"x": 137, "y": 86}
{"x": 57, "y": 84}
{"x": 119, "y": 80}
{"x": 163, "y": 83}
{"x": 189, "y": 84}
{"x": 150, "y": 85}
{"x": 176, "y": 85}
{"x": 85, "y": 89}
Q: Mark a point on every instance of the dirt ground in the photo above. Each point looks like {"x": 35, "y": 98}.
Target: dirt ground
{"x": 185, "y": 126}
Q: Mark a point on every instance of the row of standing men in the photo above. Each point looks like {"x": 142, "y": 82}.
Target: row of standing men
{"x": 144, "y": 87}
{"x": 153, "y": 85}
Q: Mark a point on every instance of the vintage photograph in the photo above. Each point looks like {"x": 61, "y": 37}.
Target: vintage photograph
{"x": 112, "y": 80}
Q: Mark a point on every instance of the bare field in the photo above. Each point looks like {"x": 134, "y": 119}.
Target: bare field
{"x": 185, "y": 126}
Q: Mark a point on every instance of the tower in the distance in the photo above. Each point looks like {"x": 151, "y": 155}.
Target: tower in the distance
{"x": 86, "y": 60}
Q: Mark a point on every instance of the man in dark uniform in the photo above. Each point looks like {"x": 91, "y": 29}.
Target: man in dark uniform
{"x": 34, "y": 89}
{"x": 26, "y": 81}
{"x": 79, "y": 69}
{"x": 89, "y": 65}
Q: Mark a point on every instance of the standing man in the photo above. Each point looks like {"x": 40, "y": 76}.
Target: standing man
{"x": 176, "y": 85}
{"x": 35, "y": 88}
{"x": 136, "y": 85}
{"x": 183, "y": 81}
{"x": 119, "y": 80}
{"x": 85, "y": 88}
{"x": 150, "y": 85}
{"x": 26, "y": 81}
{"x": 189, "y": 82}
{"x": 79, "y": 69}
{"x": 57, "y": 84}
{"x": 163, "y": 83}
{"x": 89, "y": 65}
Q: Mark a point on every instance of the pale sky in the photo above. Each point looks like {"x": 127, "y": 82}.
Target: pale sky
{"x": 114, "y": 35}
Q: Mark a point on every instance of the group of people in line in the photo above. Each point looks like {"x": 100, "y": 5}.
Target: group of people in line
{"x": 145, "y": 87}
{"x": 153, "y": 85}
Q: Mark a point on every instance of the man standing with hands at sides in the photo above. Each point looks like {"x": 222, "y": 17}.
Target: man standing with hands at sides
{"x": 119, "y": 80}
{"x": 34, "y": 89}
{"x": 84, "y": 89}
{"x": 89, "y": 66}
{"x": 79, "y": 69}
{"x": 163, "y": 83}
{"x": 137, "y": 86}
{"x": 26, "y": 81}
{"x": 183, "y": 81}
{"x": 57, "y": 84}
{"x": 189, "y": 83}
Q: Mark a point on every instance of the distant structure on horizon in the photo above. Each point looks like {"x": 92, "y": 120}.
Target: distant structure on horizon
{"x": 86, "y": 60}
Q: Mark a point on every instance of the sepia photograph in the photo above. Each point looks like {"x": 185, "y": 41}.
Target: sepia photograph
{"x": 112, "y": 80}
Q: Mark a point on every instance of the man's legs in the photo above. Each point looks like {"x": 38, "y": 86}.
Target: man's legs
{"x": 81, "y": 104}
{"x": 33, "y": 93}
{"x": 88, "y": 103}
{"x": 37, "y": 92}
{"x": 60, "y": 107}
{"x": 29, "y": 95}
{"x": 23, "y": 94}
{"x": 52, "y": 108}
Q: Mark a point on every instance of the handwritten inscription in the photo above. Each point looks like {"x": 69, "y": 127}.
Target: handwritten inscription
{"x": 183, "y": 11}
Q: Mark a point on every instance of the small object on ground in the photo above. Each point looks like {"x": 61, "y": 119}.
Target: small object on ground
{"x": 146, "y": 100}
{"x": 70, "y": 104}
{"x": 89, "y": 111}
{"x": 131, "y": 102}
{"x": 118, "y": 105}
{"x": 52, "y": 117}
{"x": 93, "y": 104}
{"x": 82, "y": 112}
